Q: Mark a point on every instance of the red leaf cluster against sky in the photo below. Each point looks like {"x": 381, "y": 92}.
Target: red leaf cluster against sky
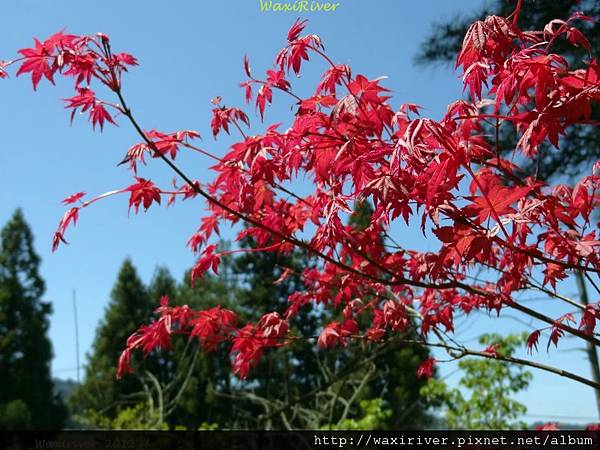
{"x": 440, "y": 175}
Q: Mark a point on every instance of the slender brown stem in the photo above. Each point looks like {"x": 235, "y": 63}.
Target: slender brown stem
{"x": 462, "y": 352}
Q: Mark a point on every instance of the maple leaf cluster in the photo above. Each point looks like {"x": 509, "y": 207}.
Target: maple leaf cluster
{"x": 444, "y": 176}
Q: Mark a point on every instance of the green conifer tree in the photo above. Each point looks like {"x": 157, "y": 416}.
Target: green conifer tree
{"x": 188, "y": 376}
{"x": 207, "y": 398}
{"x": 100, "y": 393}
{"x": 26, "y": 390}
{"x": 286, "y": 376}
{"x": 282, "y": 375}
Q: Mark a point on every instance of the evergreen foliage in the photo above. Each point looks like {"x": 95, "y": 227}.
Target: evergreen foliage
{"x": 129, "y": 307}
{"x": 26, "y": 390}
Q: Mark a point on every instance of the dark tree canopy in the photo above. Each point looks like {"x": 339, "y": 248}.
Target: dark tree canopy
{"x": 192, "y": 377}
{"x": 306, "y": 378}
{"x": 26, "y": 391}
{"x": 284, "y": 375}
{"x": 187, "y": 378}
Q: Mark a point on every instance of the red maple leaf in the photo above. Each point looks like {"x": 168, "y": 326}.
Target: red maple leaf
{"x": 99, "y": 115}
{"x": 264, "y": 95}
{"x": 37, "y": 62}
{"x": 296, "y": 29}
{"x": 330, "y": 336}
{"x": 426, "y": 368}
{"x": 143, "y": 193}
{"x": 496, "y": 202}
{"x": 532, "y": 341}
{"x": 73, "y": 198}
{"x": 550, "y": 426}
{"x": 208, "y": 260}
{"x": 492, "y": 350}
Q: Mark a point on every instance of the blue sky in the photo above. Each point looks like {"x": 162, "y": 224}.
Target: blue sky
{"x": 191, "y": 51}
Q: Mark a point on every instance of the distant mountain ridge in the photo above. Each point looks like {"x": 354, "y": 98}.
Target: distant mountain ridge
{"x": 64, "y": 387}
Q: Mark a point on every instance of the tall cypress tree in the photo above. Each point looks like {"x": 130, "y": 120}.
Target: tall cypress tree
{"x": 163, "y": 284}
{"x": 284, "y": 374}
{"x": 26, "y": 390}
{"x": 395, "y": 379}
{"x": 206, "y": 396}
{"x": 129, "y": 307}
{"x": 186, "y": 374}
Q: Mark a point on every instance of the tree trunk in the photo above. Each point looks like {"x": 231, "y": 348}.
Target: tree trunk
{"x": 591, "y": 348}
